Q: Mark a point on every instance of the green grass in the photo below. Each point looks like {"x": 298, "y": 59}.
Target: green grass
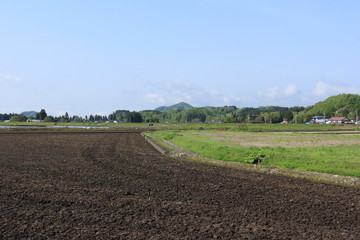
{"x": 235, "y": 127}
{"x": 341, "y": 160}
{"x": 72, "y": 124}
{"x": 263, "y": 127}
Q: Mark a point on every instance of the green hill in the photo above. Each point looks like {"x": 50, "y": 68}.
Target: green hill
{"x": 178, "y": 106}
{"x": 29, "y": 114}
{"x": 343, "y": 105}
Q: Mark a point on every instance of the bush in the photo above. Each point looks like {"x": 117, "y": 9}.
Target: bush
{"x": 18, "y": 118}
{"x": 48, "y": 119}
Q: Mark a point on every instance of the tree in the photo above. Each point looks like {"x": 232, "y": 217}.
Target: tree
{"x": 135, "y": 117}
{"x": 231, "y": 118}
{"x": 41, "y": 115}
{"x": 259, "y": 119}
{"x": 66, "y": 117}
{"x": 18, "y": 118}
{"x": 288, "y": 115}
{"x": 342, "y": 112}
{"x": 76, "y": 118}
{"x": 276, "y": 117}
{"x": 48, "y": 119}
{"x": 5, "y": 116}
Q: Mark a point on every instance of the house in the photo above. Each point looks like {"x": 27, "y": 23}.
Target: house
{"x": 34, "y": 120}
{"x": 339, "y": 120}
{"x": 318, "y": 120}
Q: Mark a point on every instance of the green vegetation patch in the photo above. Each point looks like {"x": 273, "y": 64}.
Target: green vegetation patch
{"x": 332, "y": 156}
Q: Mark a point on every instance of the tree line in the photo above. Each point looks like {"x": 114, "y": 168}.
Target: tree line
{"x": 345, "y": 105}
{"x": 226, "y": 114}
{"x": 43, "y": 116}
{"x": 6, "y": 116}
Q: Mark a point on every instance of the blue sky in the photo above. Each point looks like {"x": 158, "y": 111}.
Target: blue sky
{"x": 93, "y": 57}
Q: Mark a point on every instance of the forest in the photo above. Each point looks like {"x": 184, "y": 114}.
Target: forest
{"x": 344, "y": 105}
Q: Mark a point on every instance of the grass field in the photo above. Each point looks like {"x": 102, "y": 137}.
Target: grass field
{"x": 236, "y": 127}
{"x": 322, "y": 148}
{"x": 328, "y": 152}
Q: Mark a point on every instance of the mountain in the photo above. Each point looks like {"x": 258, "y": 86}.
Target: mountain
{"x": 178, "y": 106}
{"x": 343, "y": 105}
{"x": 29, "y": 114}
{"x": 161, "y": 109}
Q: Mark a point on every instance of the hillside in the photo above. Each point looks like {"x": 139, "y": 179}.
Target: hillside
{"x": 343, "y": 105}
{"x": 178, "y": 106}
{"x": 29, "y": 114}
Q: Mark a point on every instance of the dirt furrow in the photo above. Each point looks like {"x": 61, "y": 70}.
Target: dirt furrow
{"x": 117, "y": 186}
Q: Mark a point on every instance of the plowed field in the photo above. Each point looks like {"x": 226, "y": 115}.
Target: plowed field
{"x": 112, "y": 185}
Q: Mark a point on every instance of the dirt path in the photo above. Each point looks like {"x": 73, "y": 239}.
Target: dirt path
{"x": 116, "y": 186}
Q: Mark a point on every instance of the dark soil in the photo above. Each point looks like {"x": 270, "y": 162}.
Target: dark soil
{"x": 88, "y": 185}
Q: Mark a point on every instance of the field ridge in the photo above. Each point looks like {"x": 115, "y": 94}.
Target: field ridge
{"x": 173, "y": 150}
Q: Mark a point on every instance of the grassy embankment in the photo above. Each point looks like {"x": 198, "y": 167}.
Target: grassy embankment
{"x": 196, "y": 126}
{"x": 285, "y": 146}
{"x": 321, "y": 151}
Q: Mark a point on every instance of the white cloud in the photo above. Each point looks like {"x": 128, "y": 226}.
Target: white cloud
{"x": 290, "y": 90}
{"x": 270, "y": 92}
{"x": 278, "y": 93}
{"x": 181, "y": 95}
{"x": 217, "y": 98}
{"x": 214, "y": 92}
{"x": 12, "y": 79}
{"x": 178, "y": 91}
{"x": 323, "y": 89}
{"x": 155, "y": 98}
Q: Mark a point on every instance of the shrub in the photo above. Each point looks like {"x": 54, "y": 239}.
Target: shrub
{"x": 18, "y": 118}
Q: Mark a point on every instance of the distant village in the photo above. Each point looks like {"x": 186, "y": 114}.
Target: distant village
{"x": 332, "y": 120}
{"x": 314, "y": 120}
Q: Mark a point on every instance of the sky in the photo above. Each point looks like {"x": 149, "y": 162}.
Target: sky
{"x": 97, "y": 56}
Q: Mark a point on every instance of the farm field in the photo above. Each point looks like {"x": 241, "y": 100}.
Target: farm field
{"x": 115, "y": 185}
{"x": 195, "y": 126}
{"x": 335, "y": 152}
